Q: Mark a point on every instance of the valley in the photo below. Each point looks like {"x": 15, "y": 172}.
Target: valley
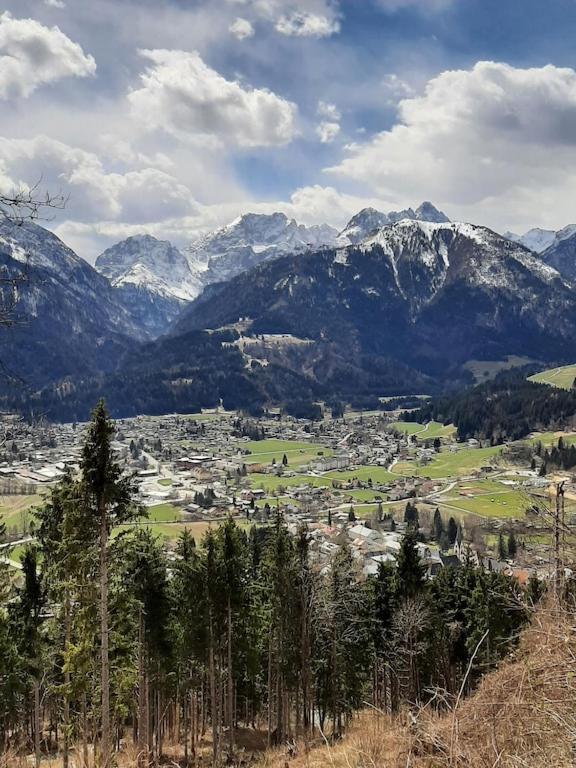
{"x": 193, "y": 472}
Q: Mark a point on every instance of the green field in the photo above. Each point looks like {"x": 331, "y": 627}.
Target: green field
{"x": 551, "y": 438}
{"x": 271, "y": 483}
{"x": 297, "y": 453}
{"x": 165, "y": 481}
{"x": 376, "y": 474}
{"x": 15, "y": 510}
{"x": 451, "y": 464}
{"x": 424, "y": 431}
{"x": 499, "y": 502}
{"x": 171, "y": 532}
{"x": 562, "y": 377}
{"x": 164, "y": 513}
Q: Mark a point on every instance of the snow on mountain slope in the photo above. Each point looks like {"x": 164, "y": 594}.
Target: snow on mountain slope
{"x": 250, "y": 240}
{"x": 155, "y": 265}
{"x": 368, "y": 220}
{"x": 536, "y": 239}
{"x": 68, "y": 319}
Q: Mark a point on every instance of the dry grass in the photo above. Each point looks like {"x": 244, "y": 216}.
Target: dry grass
{"x": 523, "y": 715}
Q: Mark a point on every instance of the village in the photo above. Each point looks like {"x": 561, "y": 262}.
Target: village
{"x": 359, "y": 479}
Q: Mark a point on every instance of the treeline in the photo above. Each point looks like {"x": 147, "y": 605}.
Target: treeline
{"x": 109, "y": 639}
{"x": 559, "y": 456}
{"x": 508, "y": 408}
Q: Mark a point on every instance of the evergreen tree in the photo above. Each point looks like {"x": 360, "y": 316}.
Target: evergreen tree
{"x": 410, "y": 571}
{"x": 438, "y": 526}
{"x": 108, "y": 499}
{"x": 512, "y": 545}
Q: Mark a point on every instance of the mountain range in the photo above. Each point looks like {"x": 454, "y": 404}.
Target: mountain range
{"x": 401, "y": 311}
{"x": 154, "y": 280}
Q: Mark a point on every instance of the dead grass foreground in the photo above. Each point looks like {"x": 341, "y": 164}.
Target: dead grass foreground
{"x": 523, "y": 715}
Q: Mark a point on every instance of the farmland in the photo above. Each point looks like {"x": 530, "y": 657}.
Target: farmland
{"x": 15, "y": 511}
{"x": 273, "y": 451}
{"x": 562, "y": 377}
{"x": 487, "y": 499}
{"x": 451, "y": 463}
{"x": 424, "y": 431}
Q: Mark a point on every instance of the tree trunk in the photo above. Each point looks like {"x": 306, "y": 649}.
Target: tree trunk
{"x": 66, "y": 702}
{"x": 231, "y": 707}
{"x": 270, "y": 691}
{"x": 37, "y": 733}
{"x": 84, "y": 731}
{"x": 105, "y": 664}
{"x": 213, "y": 697}
{"x": 142, "y": 696}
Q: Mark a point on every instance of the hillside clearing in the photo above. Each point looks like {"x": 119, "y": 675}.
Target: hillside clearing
{"x": 562, "y": 377}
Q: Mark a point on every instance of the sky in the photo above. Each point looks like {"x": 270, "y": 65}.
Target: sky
{"x": 172, "y": 117}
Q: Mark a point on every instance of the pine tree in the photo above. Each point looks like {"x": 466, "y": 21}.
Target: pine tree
{"x": 502, "y": 551}
{"x": 438, "y": 526}
{"x": 410, "y": 571}
{"x": 512, "y": 545}
{"x": 108, "y": 499}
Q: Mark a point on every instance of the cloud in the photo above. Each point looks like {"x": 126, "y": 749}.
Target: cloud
{"x": 55, "y": 3}
{"x": 138, "y": 195}
{"x": 296, "y": 18}
{"x": 183, "y": 96}
{"x": 241, "y": 29}
{"x": 329, "y": 111}
{"x": 487, "y": 140}
{"x": 327, "y": 131}
{"x": 304, "y": 24}
{"x": 32, "y": 55}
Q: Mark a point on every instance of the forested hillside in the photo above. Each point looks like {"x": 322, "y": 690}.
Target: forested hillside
{"x": 508, "y": 408}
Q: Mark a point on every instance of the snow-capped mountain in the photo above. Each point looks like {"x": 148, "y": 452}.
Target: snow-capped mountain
{"x": 536, "y": 239}
{"x": 153, "y": 279}
{"x": 561, "y": 253}
{"x": 142, "y": 260}
{"x": 250, "y": 240}
{"x": 368, "y": 220}
{"x": 68, "y": 319}
{"x": 431, "y": 295}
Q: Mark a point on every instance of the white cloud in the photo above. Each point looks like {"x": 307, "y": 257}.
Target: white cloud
{"x": 305, "y": 24}
{"x": 397, "y": 86}
{"x": 330, "y": 111}
{"x": 138, "y": 195}
{"x": 487, "y": 142}
{"x": 327, "y": 131}
{"x": 241, "y": 29}
{"x": 55, "y": 3}
{"x": 188, "y": 99}
{"x": 32, "y": 54}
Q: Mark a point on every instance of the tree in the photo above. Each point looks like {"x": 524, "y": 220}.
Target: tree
{"x": 351, "y": 515}
{"x": 512, "y": 545}
{"x": 284, "y": 460}
{"x": 411, "y": 515}
{"x": 107, "y": 499}
{"x": 410, "y": 571}
{"x": 502, "y": 551}
{"x": 438, "y": 526}
{"x": 31, "y": 601}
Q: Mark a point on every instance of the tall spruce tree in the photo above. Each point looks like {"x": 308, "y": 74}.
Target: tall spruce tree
{"x": 108, "y": 498}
